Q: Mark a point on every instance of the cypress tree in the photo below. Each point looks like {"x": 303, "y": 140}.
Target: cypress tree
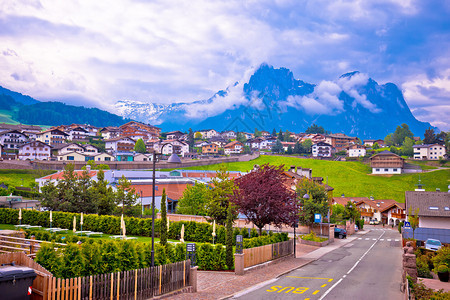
{"x": 163, "y": 226}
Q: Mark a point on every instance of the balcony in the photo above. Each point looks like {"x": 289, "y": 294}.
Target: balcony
{"x": 398, "y": 216}
{"x": 366, "y": 214}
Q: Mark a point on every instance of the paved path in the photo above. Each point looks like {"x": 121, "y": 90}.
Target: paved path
{"x": 366, "y": 267}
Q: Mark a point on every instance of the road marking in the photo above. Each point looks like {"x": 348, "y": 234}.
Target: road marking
{"x": 323, "y": 285}
{"x": 374, "y": 239}
{"x": 397, "y": 240}
{"x": 389, "y": 240}
{"x": 359, "y": 238}
{"x": 329, "y": 279}
{"x": 352, "y": 268}
{"x": 315, "y": 292}
{"x": 381, "y": 239}
{"x": 367, "y": 239}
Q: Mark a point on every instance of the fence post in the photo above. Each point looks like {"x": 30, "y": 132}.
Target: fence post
{"x": 193, "y": 278}
{"x": 239, "y": 263}
{"x": 32, "y": 244}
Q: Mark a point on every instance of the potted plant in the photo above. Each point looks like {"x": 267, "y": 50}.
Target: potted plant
{"x": 442, "y": 271}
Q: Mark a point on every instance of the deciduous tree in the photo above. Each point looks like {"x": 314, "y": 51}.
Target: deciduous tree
{"x": 194, "y": 200}
{"x": 219, "y": 196}
{"x": 316, "y": 203}
{"x": 264, "y": 199}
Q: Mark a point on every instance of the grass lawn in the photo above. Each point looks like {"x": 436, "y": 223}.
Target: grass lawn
{"x": 14, "y": 177}
{"x": 143, "y": 239}
{"x": 350, "y": 178}
{"x": 427, "y": 165}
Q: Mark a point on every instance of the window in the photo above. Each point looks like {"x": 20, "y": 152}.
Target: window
{"x": 378, "y": 170}
{"x": 395, "y": 170}
{"x": 386, "y": 170}
{"x": 70, "y": 158}
{"x": 433, "y": 208}
{"x": 446, "y": 208}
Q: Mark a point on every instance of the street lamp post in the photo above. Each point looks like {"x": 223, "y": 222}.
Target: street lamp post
{"x": 172, "y": 159}
{"x": 142, "y": 207}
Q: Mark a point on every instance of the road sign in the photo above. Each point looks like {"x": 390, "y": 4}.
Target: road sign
{"x": 317, "y": 218}
{"x": 407, "y": 225}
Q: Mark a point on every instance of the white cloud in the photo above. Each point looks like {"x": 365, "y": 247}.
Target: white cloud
{"x": 429, "y": 98}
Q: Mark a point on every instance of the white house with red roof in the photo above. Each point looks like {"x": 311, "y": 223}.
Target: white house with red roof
{"x": 35, "y": 150}
{"x": 234, "y": 147}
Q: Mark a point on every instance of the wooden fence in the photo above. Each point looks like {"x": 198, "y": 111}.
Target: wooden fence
{"x": 40, "y": 283}
{"x": 134, "y": 284}
{"x": 16, "y": 244}
{"x": 258, "y": 255}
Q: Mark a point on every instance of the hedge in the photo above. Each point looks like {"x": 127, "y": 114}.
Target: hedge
{"x": 100, "y": 257}
{"x": 193, "y": 231}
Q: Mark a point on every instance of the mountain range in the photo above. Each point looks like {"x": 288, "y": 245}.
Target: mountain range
{"x": 353, "y": 104}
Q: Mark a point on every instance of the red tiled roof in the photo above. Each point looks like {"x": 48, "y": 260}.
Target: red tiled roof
{"x": 59, "y": 175}
{"x": 173, "y": 190}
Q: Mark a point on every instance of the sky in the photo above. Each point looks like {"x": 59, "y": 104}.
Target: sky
{"x": 95, "y": 53}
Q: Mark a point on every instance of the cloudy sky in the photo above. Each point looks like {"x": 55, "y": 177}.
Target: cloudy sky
{"x": 98, "y": 52}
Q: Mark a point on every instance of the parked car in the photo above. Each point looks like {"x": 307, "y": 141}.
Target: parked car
{"x": 340, "y": 233}
{"x": 432, "y": 244}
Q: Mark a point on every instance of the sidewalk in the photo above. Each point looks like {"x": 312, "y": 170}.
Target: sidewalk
{"x": 220, "y": 285}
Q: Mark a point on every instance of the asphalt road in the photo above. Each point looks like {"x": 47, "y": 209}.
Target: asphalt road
{"x": 367, "y": 268}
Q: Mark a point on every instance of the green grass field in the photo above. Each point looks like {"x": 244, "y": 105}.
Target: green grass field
{"x": 14, "y": 177}
{"x": 351, "y": 178}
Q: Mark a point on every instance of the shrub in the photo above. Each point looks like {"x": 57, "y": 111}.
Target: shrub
{"x": 423, "y": 269}
{"x": 442, "y": 269}
{"x": 313, "y": 237}
{"x": 442, "y": 257}
{"x": 400, "y": 225}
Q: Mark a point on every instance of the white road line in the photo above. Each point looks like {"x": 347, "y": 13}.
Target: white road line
{"x": 389, "y": 240}
{"x": 374, "y": 239}
{"x": 352, "y": 268}
{"x": 381, "y": 239}
{"x": 397, "y": 240}
{"x": 359, "y": 238}
{"x": 367, "y": 239}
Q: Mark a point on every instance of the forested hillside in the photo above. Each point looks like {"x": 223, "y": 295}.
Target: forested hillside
{"x": 56, "y": 113}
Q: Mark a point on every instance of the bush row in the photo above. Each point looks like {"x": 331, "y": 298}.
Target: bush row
{"x": 103, "y": 256}
{"x": 193, "y": 231}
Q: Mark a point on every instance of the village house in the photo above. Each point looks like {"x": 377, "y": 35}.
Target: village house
{"x": 340, "y": 141}
{"x": 287, "y": 144}
{"x": 103, "y": 157}
{"x": 254, "y": 144}
{"x": 143, "y": 157}
{"x": 110, "y": 132}
{"x": 267, "y": 143}
{"x": 356, "y": 150}
{"x": 72, "y": 156}
{"x": 136, "y": 130}
{"x": 393, "y": 214}
{"x": 120, "y": 144}
{"x": 78, "y": 134}
{"x": 386, "y": 162}
{"x": 294, "y": 175}
{"x": 12, "y": 139}
{"x": 370, "y": 143}
{"x": 234, "y": 147}
{"x": 314, "y": 137}
{"x": 429, "y": 152}
{"x": 175, "y": 135}
{"x": 35, "y": 150}
{"x": 433, "y": 208}
{"x": 265, "y": 133}
{"x": 210, "y": 149}
{"x": 52, "y": 137}
{"x": 172, "y": 146}
{"x": 229, "y": 135}
{"x": 322, "y": 149}
{"x": 86, "y": 149}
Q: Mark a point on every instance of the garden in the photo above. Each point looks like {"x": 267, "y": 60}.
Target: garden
{"x": 97, "y": 255}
